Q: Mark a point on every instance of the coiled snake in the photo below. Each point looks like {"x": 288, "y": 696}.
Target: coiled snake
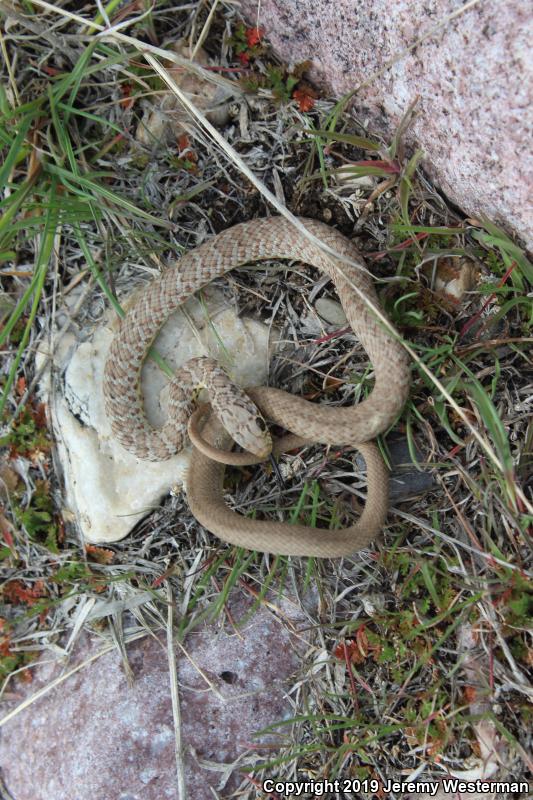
{"x": 260, "y": 239}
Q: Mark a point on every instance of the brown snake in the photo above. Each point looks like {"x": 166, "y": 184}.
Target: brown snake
{"x": 260, "y": 239}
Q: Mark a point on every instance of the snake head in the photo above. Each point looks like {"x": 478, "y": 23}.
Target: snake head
{"x": 249, "y": 429}
{"x": 235, "y": 410}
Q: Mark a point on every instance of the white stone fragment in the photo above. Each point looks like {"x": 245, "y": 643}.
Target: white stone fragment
{"x": 108, "y": 489}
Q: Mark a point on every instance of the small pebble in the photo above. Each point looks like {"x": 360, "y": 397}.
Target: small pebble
{"x": 331, "y": 311}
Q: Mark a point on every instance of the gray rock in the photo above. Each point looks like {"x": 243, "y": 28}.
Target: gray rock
{"x": 95, "y": 737}
{"x": 406, "y": 479}
{"x": 474, "y": 77}
{"x": 331, "y": 311}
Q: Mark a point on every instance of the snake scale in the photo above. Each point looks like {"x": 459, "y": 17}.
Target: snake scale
{"x": 242, "y": 413}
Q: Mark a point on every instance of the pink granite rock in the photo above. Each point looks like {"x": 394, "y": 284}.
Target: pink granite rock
{"x": 95, "y": 737}
{"x": 474, "y": 79}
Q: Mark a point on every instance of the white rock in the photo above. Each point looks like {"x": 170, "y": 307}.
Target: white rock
{"x": 108, "y": 489}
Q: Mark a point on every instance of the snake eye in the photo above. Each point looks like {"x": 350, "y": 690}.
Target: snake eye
{"x": 261, "y": 424}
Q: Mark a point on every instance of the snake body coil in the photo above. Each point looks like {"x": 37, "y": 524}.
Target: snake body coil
{"x": 273, "y": 238}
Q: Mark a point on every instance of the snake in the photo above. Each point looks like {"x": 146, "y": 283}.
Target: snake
{"x": 237, "y": 415}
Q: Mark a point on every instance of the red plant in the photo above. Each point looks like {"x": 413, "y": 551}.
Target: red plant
{"x": 305, "y": 97}
{"x": 254, "y": 36}
{"x": 17, "y": 592}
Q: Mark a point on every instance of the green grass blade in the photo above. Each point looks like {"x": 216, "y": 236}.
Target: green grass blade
{"x": 356, "y": 170}
{"x": 496, "y": 238}
{"x": 87, "y": 115}
{"x": 406, "y": 187}
{"x": 41, "y": 266}
{"x": 489, "y": 415}
{"x": 152, "y": 353}
{"x": 95, "y": 190}
{"x": 72, "y": 80}
{"x": 17, "y": 199}
{"x": 347, "y": 138}
{"x": 63, "y": 138}
{"x": 437, "y": 231}
{"x": 319, "y": 146}
{"x": 108, "y": 8}
{"x": 19, "y": 309}
{"x": 14, "y": 151}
